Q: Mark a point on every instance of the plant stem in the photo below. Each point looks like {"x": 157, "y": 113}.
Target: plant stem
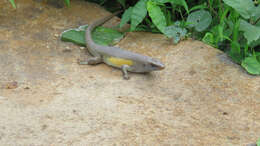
{"x": 257, "y": 21}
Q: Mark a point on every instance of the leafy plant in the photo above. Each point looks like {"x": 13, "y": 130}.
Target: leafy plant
{"x": 67, "y": 2}
{"x": 157, "y": 16}
{"x": 101, "y": 35}
{"x": 235, "y": 27}
{"x": 246, "y": 34}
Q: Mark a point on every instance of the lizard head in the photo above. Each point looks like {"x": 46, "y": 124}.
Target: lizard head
{"x": 154, "y": 65}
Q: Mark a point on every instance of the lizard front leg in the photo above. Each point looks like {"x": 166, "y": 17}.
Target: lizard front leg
{"x": 91, "y": 61}
{"x": 124, "y": 71}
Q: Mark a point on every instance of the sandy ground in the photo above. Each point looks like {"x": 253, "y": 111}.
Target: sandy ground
{"x": 46, "y": 98}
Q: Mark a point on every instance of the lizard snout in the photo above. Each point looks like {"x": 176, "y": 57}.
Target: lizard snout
{"x": 161, "y": 66}
{"x": 158, "y": 66}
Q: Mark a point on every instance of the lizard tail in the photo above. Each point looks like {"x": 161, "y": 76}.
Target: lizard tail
{"x": 99, "y": 22}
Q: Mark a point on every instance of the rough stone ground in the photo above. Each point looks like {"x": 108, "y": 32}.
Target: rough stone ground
{"x": 201, "y": 98}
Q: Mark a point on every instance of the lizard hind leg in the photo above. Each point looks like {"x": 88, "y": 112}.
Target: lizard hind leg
{"x": 124, "y": 71}
{"x": 90, "y": 61}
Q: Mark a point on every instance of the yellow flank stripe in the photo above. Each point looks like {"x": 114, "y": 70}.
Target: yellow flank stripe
{"x": 119, "y": 61}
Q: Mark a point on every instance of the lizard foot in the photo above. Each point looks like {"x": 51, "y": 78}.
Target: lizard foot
{"x": 126, "y": 77}
{"x": 124, "y": 71}
{"x": 90, "y": 61}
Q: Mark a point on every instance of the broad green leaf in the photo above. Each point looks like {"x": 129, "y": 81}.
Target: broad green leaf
{"x": 102, "y": 36}
{"x": 175, "y": 32}
{"x": 255, "y": 43}
{"x": 126, "y": 16}
{"x": 200, "y": 19}
{"x": 138, "y": 13}
{"x": 252, "y": 66}
{"x": 243, "y": 7}
{"x": 256, "y": 13}
{"x": 157, "y": 15}
{"x": 251, "y": 32}
{"x": 67, "y": 2}
{"x": 13, "y": 3}
{"x": 122, "y": 2}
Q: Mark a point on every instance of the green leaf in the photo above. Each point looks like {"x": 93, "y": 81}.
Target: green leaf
{"x": 208, "y": 38}
{"x": 182, "y": 3}
{"x": 74, "y": 36}
{"x": 126, "y": 16}
{"x": 146, "y": 28}
{"x": 101, "y": 35}
{"x": 244, "y": 7}
{"x": 256, "y": 13}
{"x": 251, "y": 32}
{"x": 67, "y": 2}
{"x": 162, "y": 1}
{"x": 220, "y": 32}
{"x": 196, "y": 7}
{"x": 214, "y": 32}
{"x": 235, "y": 34}
{"x": 12, "y": 3}
{"x": 258, "y": 142}
{"x": 122, "y": 2}
{"x": 157, "y": 15}
{"x": 174, "y": 2}
{"x": 175, "y": 32}
{"x": 257, "y": 24}
{"x": 200, "y": 20}
{"x": 211, "y": 2}
{"x": 252, "y": 66}
{"x": 255, "y": 43}
{"x": 106, "y": 36}
{"x": 100, "y": 2}
{"x": 235, "y": 52}
{"x": 138, "y": 13}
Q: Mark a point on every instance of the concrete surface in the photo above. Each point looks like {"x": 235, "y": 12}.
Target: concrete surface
{"x": 201, "y": 98}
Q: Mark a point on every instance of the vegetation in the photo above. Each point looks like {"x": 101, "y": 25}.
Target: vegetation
{"x": 230, "y": 25}
{"x": 235, "y": 27}
{"x": 14, "y": 6}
